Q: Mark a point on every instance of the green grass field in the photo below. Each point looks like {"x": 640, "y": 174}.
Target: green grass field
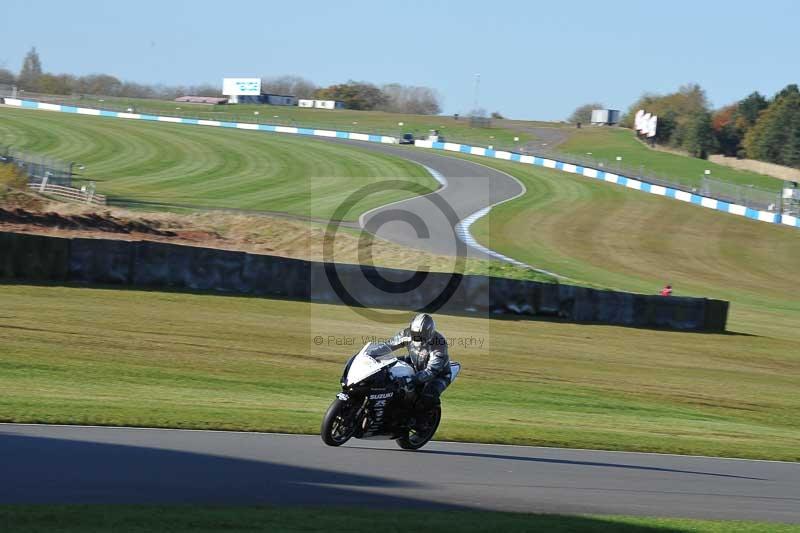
{"x": 210, "y": 361}
{"x": 458, "y": 130}
{"x": 604, "y": 144}
{"x": 209, "y": 167}
{"x": 608, "y": 143}
{"x": 628, "y": 240}
{"x": 178, "y": 519}
{"x": 142, "y": 358}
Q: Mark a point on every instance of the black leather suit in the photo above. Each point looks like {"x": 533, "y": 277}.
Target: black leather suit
{"x": 430, "y": 361}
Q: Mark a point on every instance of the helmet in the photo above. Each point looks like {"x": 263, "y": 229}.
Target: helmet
{"x": 422, "y": 327}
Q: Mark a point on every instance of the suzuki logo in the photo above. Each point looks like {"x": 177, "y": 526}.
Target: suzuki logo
{"x": 383, "y": 396}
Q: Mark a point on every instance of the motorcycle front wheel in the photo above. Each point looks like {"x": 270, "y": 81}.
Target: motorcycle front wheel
{"x": 337, "y": 427}
{"x": 423, "y": 431}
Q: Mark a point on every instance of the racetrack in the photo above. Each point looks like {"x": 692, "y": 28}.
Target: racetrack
{"x": 468, "y": 188}
{"x": 64, "y": 464}
{"x": 196, "y": 166}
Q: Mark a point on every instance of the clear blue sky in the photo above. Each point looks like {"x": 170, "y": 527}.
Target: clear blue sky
{"x": 536, "y": 60}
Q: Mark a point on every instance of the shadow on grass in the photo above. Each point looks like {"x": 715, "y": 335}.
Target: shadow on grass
{"x": 178, "y": 519}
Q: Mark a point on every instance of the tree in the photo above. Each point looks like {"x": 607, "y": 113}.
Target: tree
{"x": 775, "y": 138}
{"x": 583, "y": 114}
{"x": 497, "y": 115}
{"x": 100, "y": 84}
{"x": 789, "y": 90}
{"x": 7, "y": 77}
{"x": 130, "y": 89}
{"x": 56, "y": 83}
{"x": 790, "y": 155}
{"x": 355, "y": 95}
{"x": 410, "y": 99}
{"x": 697, "y": 137}
{"x": 289, "y": 85}
{"x": 31, "y": 71}
{"x": 727, "y": 132}
{"x": 677, "y": 116}
{"x": 749, "y": 109}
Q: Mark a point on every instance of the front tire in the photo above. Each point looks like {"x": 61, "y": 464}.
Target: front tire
{"x": 418, "y": 437}
{"x": 336, "y": 428}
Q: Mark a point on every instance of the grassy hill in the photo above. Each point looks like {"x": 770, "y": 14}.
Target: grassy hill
{"x": 609, "y": 143}
{"x": 339, "y": 119}
{"x": 629, "y": 240}
{"x": 208, "y": 167}
{"x": 604, "y": 144}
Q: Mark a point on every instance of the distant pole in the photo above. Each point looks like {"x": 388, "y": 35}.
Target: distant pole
{"x": 477, "y": 89}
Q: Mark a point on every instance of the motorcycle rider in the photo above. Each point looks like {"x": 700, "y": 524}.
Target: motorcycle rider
{"x": 427, "y": 353}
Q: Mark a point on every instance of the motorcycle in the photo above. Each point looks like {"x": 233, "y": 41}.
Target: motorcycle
{"x": 378, "y": 402}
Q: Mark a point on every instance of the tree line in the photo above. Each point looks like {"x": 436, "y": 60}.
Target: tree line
{"x": 393, "y": 97}
{"x": 755, "y": 127}
{"x": 361, "y": 95}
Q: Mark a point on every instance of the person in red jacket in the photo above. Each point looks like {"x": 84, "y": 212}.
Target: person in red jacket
{"x": 666, "y": 291}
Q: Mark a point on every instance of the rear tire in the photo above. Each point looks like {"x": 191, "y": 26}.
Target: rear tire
{"x": 334, "y": 430}
{"x": 416, "y": 439}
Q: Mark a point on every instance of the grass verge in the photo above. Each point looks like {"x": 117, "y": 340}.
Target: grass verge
{"x": 609, "y": 143}
{"x": 195, "y": 518}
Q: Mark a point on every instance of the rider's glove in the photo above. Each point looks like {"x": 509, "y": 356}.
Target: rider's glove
{"x": 422, "y": 376}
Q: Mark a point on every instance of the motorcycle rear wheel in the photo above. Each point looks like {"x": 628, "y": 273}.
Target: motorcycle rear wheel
{"x": 417, "y": 438}
{"x": 335, "y": 430}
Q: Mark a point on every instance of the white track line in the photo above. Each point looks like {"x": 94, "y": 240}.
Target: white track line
{"x": 463, "y": 232}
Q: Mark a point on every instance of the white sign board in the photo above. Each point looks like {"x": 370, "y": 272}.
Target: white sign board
{"x": 599, "y": 116}
{"x": 637, "y": 121}
{"x": 651, "y": 126}
{"x": 241, "y": 86}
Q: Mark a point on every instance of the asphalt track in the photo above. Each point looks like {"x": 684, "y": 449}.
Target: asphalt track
{"x": 73, "y": 464}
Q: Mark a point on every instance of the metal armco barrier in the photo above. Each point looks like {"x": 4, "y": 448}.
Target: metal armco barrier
{"x": 171, "y": 266}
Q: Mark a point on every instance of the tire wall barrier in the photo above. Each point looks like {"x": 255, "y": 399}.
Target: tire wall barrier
{"x": 171, "y": 266}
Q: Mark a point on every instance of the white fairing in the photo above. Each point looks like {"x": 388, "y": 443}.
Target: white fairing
{"x": 365, "y": 365}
